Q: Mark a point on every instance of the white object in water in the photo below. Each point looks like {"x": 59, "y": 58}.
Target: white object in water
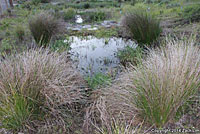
{"x": 78, "y": 19}
{"x": 65, "y": 41}
{"x": 92, "y": 29}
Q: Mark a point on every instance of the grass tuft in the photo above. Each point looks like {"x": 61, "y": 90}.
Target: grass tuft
{"x": 143, "y": 27}
{"x": 166, "y": 81}
{"x": 35, "y": 83}
{"x": 43, "y": 27}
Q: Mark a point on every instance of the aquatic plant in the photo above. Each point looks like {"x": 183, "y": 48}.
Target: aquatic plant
{"x": 130, "y": 55}
{"x": 60, "y": 46}
{"x": 98, "y": 80}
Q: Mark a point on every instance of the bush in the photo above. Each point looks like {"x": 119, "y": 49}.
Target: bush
{"x": 43, "y": 27}
{"x": 36, "y": 2}
{"x": 167, "y": 80}
{"x": 20, "y": 33}
{"x": 34, "y": 83}
{"x": 97, "y": 16}
{"x": 45, "y": 1}
{"x": 137, "y": 7}
{"x": 69, "y": 14}
{"x": 6, "y": 46}
{"x": 143, "y": 27}
{"x": 86, "y": 5}
{"x": 192, "y": 13}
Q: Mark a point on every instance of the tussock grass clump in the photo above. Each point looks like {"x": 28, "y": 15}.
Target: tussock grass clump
{"x": 43, "y": 27}
{"x": 153, "y": 91}
{"x": 143, "y": 27}
{"x": 33, "y": 84}
{"x": 167, "y": 79}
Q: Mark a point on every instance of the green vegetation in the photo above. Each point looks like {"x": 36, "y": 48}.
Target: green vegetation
{"x": 87, "y": 5}
{"x": 93, "y": 4}
{"x": 60, "y": 46}
{"x": 106, "y": 33}
{"x": 69, "y": 14}
{"x": 130, "y": 55}
{"x": 20, "y": 32}
{"x": 42, "y": 92}
{"x": 98, "y": 80}
{"x": 192, "y": 13}
{"x": 94, "y": 16}
{"x": 143, "y": 27}
{"x": 6, "y": 46}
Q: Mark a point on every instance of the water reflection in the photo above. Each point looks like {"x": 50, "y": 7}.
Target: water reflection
{"x": 92, "y": 55}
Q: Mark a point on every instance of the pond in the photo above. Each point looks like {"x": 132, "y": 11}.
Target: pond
{"x": 92, "y": 55}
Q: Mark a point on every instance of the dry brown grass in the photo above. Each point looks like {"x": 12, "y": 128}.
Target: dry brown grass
{"x": 152, "y": 91}
{"x": 167, "y": 79}
{"x": 38, "y": 82}
{"x": 113, "y": 110}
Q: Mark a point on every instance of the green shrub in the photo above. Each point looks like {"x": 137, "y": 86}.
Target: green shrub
{"x": 94, "y": 16}
{"x": 32, "y": 84}
{"x": 143, "y": 27}
{"x": 129, "y": 8}
{"x": 69, "y": 14}
{"x": 20, "y": 33}
{"x": 192, "y": 13}
{"x": 60, "y": 46}
{"x": 36, "y": 2}
{"x": 86, "y": 5}
{"x": 104, "y": 32}
{"x": 45, "y": 1}
{"x": 43, "y": 26}
{"x": 98, "y": 80}
{"x": 6, "y": 46}
{"x": 168, "y": 78}
{"x": 97, "y": 16}
{"x": 130, "y": 55}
